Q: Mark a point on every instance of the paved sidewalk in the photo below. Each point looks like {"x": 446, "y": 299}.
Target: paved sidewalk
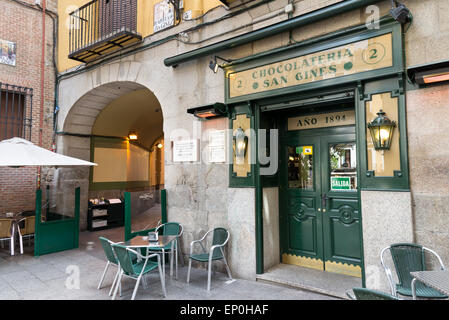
{"x": 54, "y": 277}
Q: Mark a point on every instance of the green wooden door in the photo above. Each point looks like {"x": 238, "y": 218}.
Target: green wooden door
{"x": 320, "y": 208}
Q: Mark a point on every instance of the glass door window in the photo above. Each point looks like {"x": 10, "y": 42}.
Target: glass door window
{"x": 343, "y": 167}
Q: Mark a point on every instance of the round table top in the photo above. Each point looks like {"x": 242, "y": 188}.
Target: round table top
{"x": 142, "y": 241}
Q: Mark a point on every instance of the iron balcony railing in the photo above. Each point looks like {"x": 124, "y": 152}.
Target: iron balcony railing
{"x": 100, "y": 27}
{"x": 16, "y": 110}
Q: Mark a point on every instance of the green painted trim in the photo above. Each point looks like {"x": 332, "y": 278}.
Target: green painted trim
{"x": 128, "y": 225}
{"x": 303, "y": 49}
{"x": 112, "y": 142}
{"x": 249, "y": 181}
{"x": 263, "y": 33}
{"x": 58, "y": 235}
{"x": 164, "y": 206}
{"x": 367, "y": 179}
{"x": 37, "y": 229}
{"x": 258, "y": 199}
{"x": 77, "y": 217}
{"x": 357, "y": 107}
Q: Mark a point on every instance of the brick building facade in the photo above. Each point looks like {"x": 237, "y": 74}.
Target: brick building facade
{"x": 21, "y": 24}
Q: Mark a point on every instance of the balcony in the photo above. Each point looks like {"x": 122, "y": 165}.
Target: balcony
{"x": 102, "y": 27}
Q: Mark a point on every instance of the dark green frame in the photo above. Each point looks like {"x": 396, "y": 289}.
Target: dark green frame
{"x": 388, "y": 25}
{"x": 249, "y": 181}
{"x": 57, "y": 235}
{"x": 128, "y": 234}
{"x": 368, "y": 180}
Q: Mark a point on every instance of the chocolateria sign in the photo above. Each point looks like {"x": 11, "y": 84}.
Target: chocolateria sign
{"x": 366, "y": 55}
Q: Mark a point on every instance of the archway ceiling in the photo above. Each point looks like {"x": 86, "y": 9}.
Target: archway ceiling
{"x": 138, "y": 111}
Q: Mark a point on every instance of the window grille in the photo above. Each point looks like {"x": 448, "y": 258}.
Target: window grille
{"x": 16, "y": 108}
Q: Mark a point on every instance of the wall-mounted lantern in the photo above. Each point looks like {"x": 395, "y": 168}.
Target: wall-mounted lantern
{"x": 381, "y": 129}
{"x": 240, "y": 144}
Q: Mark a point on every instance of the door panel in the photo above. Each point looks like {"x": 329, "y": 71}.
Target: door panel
{"x": 321, "y": 202}
{"x": 304, "y": 232}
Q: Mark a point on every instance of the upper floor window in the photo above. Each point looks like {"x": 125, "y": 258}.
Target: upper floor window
{"x": 15, "y": 111}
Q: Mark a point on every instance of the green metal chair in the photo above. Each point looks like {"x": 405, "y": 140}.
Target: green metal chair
{"x": 215, "y": 252}
{"x": 135, "y": 270}
{"x": 112, "y": 260}
{"x": 369, "y": 294}
{"x": 170, "y": 229}
{"x": 409, "y": 257}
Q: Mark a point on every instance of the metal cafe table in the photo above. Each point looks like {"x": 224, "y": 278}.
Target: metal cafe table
{"x": 161, "y": 243}
{"x": 438, "y": 280}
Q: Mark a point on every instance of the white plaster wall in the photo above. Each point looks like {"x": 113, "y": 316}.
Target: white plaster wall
{"x": 386, "y": 219}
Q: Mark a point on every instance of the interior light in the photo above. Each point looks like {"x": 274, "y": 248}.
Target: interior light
{"x": 160, "y": 145}
{"x": 132, "y": 135}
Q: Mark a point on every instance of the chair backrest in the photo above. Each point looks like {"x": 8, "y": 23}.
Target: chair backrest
{"x": 170, "y": 228}
{"x": 125, "y": 259}
{"x": 5, "y": 228}
{"x": 106, "y": 244}
{"x": 30, "y": 223}
{"x": 407, "y": 257}
{"x": 369, "y": 294}
{"x": 220, "y": 235}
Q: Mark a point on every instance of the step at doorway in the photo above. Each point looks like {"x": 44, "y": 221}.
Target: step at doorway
{"x": 327, "y": 283}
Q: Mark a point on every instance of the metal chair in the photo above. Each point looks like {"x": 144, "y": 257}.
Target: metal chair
{"x": 170, "y": 229}
{"x": 112, "y": 260}
{"x": 135, "y": 270}
{"x": 219, "y": 240}
{"x": 369, "y": 294}
{"x": 27, "y": 231}
{"x": 7, "y": 233}
{"x": 409, "y": 257}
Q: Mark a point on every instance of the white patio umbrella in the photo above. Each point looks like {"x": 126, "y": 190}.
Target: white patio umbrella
{"x": 18, "y": 152}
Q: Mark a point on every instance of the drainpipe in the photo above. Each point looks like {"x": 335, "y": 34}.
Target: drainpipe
{"x": 306, "y": 19}
{"x": 41, "y": 120}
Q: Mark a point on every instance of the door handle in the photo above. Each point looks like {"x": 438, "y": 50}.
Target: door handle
{"x": 324, "y": 199}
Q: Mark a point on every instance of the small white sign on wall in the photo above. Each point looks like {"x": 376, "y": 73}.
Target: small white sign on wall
{"x": 185, "y": 151}
{"x": 164, "y": 16}
{"x": 217, "y": 146}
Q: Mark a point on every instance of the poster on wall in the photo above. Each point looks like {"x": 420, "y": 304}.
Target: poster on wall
{"x": 164, "y": 16}
{"x": 185, "y": 151}
{"x": 217, "y": 146}
{"x": 7, "y": 52}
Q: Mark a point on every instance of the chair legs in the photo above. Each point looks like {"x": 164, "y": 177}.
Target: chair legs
{"x": 21, "y": 244}
{"x": 209, "y": 271}
{"x": 136, "y": 287}
{"x": 162, "y": 281}
{"x": 118, "y": 284}
{"x": 104, "y": 273}
{"x": 12, "y": 245}
{"x": 114, "y": 282}
{"x": 188, "y": 270}
{"x": 227, "y": 268}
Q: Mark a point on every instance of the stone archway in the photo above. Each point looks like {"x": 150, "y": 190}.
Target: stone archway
{"x": 96, "y": 90}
